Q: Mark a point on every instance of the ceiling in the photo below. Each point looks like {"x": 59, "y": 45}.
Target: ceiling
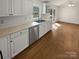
{"x": 60, "y": 2}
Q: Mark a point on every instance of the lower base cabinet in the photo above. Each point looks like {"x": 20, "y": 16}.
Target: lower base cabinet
{"x": 49, "y": 25}
{"x": 44, "y": 27}
{"x": 41, "y": 29}
{"x": 19, "y": 41}
{"x": 13, "y": 44}
{"x": 4, "y": 48}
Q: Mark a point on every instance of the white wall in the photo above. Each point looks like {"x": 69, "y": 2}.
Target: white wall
{"x": 69, "y": 14}
{"x": 17, "y": 20}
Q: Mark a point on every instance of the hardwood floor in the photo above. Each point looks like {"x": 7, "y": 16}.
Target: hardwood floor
{"x": 60, "y": 43}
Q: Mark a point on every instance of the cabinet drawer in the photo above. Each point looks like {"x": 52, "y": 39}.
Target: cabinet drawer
{"x": 14, "y": 35}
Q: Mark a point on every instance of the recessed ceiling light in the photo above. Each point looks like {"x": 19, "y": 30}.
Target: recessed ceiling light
{"x": 71, "y": 4}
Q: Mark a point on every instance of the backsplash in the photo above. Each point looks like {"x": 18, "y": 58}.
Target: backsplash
{"x": 13, "y": 21}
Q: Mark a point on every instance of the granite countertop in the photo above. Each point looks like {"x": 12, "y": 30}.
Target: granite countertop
{"x": 9, "y": 30}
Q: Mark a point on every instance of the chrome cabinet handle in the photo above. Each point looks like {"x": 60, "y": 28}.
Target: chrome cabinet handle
{"x": 1, "y": 54}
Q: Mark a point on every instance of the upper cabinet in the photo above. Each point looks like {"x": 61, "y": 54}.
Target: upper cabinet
{"x": 45, "y": 8}
{"x": 27, "y": 7}
{"x": 4, "y": 8}
{"x": 10, "y": 7}
{"x": 16, "y": 8}
{"x": 21, "y": 7}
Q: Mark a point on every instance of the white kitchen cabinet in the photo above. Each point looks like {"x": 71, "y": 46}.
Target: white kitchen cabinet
{"x": 16, "y": 7}
{"x": 44, "y": 8}
{"x": 49, "y": 25}
{"x": 22, "y": 7}
{"x": 5, "y": 47}
{"x": 41, "y": 30}
{"x": 27, "y": 8}
{"x": 4, "y": 8}
{"x": 44, "y": 27}
{"x": 19, "y": 41}
{"x": 10, "y": 7}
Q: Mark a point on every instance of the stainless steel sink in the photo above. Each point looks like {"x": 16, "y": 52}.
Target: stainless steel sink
{"x": 39, "y": 21}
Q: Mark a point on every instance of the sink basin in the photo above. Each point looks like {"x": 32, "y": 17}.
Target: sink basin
{"x": 39, "y": 21}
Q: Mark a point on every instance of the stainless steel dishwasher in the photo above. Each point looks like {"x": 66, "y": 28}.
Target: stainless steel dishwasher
{"x": 33, "y": 34}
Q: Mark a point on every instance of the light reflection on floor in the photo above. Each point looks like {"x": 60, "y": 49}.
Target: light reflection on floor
{"x": 68, "y": 55}
{"x": 56, "y": 26}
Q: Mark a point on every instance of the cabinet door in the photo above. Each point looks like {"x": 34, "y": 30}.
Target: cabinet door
{"x": 27, "y": 7}
{"x": 41, "y": 29}
{"x": 16, "y": 7}
{"x": 4, "y": 47}
{"x": 44, "y": 8}
{"x": 20, "y": 41}
{"x": 25, "y": 38}
{"x": 45, "y": 27}
{"x": 4, "y": 6}
{"x": 49, "y": 25}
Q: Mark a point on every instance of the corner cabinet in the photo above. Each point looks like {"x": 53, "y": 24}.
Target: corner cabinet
{"x": 5, "y": 47}
{"x": 19, "y": 41}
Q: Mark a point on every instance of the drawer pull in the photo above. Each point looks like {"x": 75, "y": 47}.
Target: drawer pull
{"x": 11, "y": 41}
